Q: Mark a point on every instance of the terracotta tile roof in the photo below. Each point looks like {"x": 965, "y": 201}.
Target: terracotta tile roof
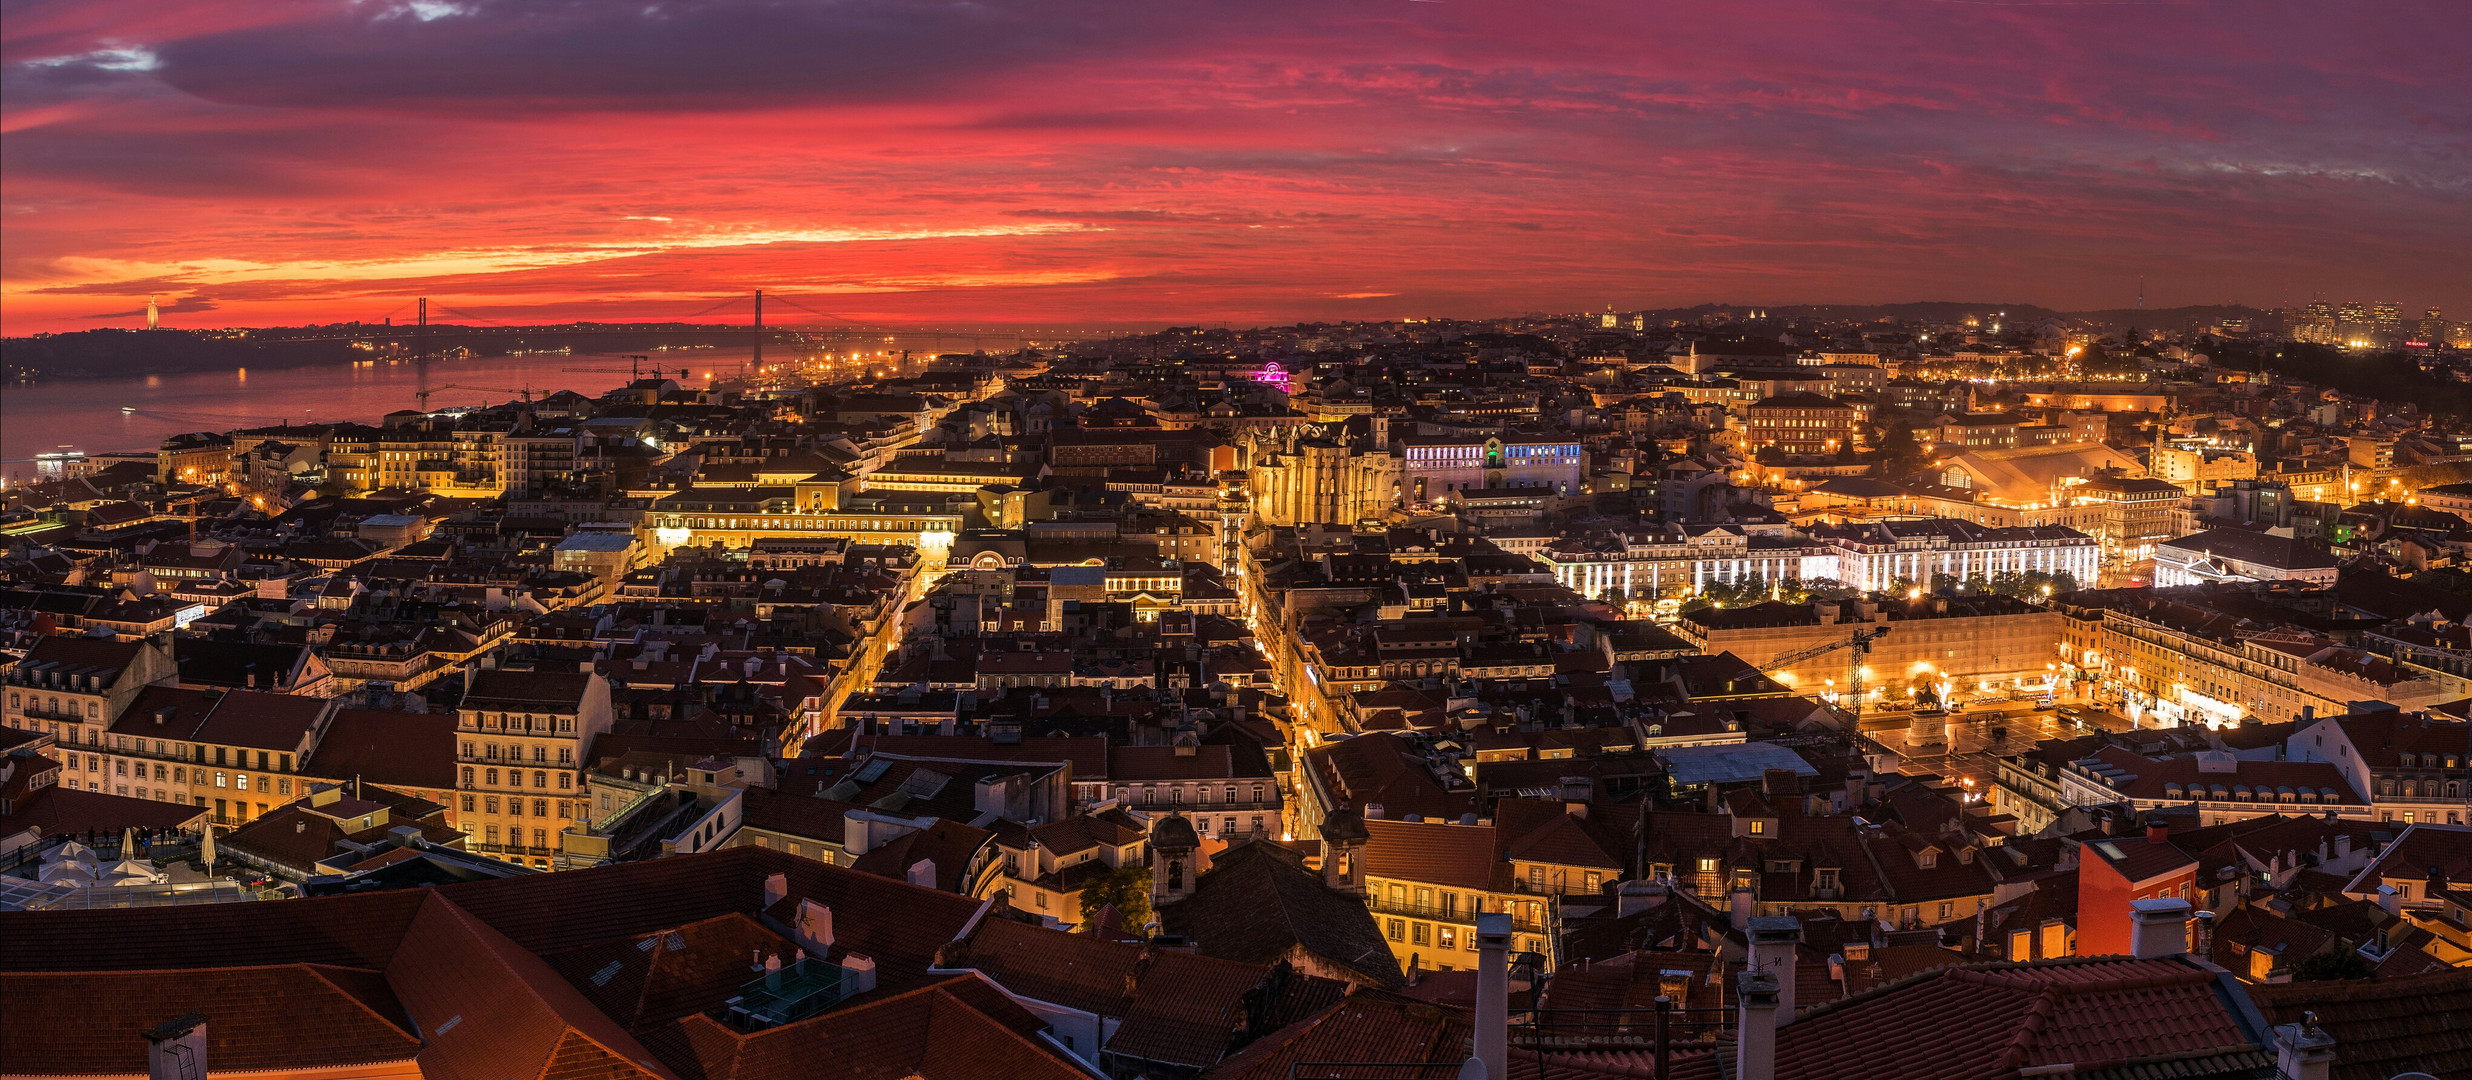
{"x": 88, "y": 1022}
{"x": 1370, "y": 1026}
{"x": 1610, "y": 1065}
{"x": 1985, "y": 1021}
{"x": 1145, "y": 764}
{"x": 263, "y": 721}
{"x": 1457, "y": 856}
{"x": 101, "y": 657}
{"x": 1088, "y": 755}
{"x": 1176, "y": 1008}
{"x": 351, "y": 931}
{"x": 517, "y": 689}
{"x": 489, "y": 1009}
{"x": 290, "y": 836}
{"x": 2138, "y": 858}
{"x": 58, "y": 809}
{"x": 238, "y": 664}
{"x": 955, "y": 1029}
{"x": 1183, "y": 1013}
{"x": 655, "y": 978}
{"x": 1258, "y": 904}
{"x": 2136, "y": 776}
{"x": 1073, "y": 970}
{"x": 950, "y": 845}
{"x": 188, "y": 711}
{"x": 2384, "y": 1027}
{"x": 1635, "y": 980}
{"x": 1387, "y": 771}
{"x": 1548, "y": 832}
{"x": 2404, "y": 961}
{"x": 2421, "y": 848}
{"x": 901, "y": 928}
{"x": 809, "y": 816}
{"x": 384, "y": 747}
{"x": 2246, "y": 929}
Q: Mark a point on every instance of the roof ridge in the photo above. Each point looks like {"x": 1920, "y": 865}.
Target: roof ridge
{"x": 318, "y": 970}
{"x": 2020, "y": 1045}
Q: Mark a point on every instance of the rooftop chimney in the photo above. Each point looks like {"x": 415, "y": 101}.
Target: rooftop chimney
{"x": 814, "y": 929}
{"x": 858, "y": 973}
{"x": 1773, "y": 941}
{"x": 2304, "y": 1051}
{"x": 1633, "y": 897}
{"x": 2158, "y": 831}
{"x": 1755, "y": 1048}
{"x": 176, "y": 1049}
{"x": 2158, "y": 927}
{"x": 776, "y": 889}
{"x": 1493, "y": 993}
{"x": 1740, "y": 904}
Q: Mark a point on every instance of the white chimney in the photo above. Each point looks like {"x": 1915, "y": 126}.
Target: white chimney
{"x": 1741, "y": 907}
{"x": 923, "y": 873}
{"x": 2391, "y": 900}
{"x": 2304, "y": 1051}
{"x": 1755, "y": 1048}
{"x": 1633, "y": 897}
{"x": 1773, "y": 941}
{"x": 814, "y": 929}
{"x": 858, "y": 973}
{"x": 776, "y": 889}
{"x": 2158, "y": 927}
{"x": 1493, "y": 993}
{"x": 176, "y": 1049}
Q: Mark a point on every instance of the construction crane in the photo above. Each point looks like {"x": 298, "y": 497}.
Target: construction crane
{"x": 1859, "y": 641}
{"x": 635, "y": 368}
{"x": 424, "y": 394}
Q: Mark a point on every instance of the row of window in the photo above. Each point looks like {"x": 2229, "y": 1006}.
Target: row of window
{"x": 515, "y": 836}
{"x": 538, "y": 725}
{"x": 52, "y": 709}
{"x": 514, "y": 806}
{"x": 1175, "y": 795}
{"x": 515, "y": 752}
{"x": 227, "y": 812}
{"x": 1445, "y": 936}
{"x": 515, "y": 778}
{"x": 174, "y": 774}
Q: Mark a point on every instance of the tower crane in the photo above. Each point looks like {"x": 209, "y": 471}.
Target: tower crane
{"x": 635, "y": 368}
{"x": 1860, "y": 642}
{"x": 526, "y": 391}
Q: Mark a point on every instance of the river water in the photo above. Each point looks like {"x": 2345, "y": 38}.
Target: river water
{"x": 88, "y": 414}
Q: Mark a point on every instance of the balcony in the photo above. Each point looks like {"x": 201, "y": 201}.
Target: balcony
{"x": 514, "y": 850}
{"x": 1457, "y": 916}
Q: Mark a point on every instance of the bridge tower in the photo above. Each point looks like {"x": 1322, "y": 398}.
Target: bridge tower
{"x": 420, "y": 353}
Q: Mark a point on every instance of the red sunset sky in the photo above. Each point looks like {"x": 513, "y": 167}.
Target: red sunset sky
{"x": 1075, "y": 164}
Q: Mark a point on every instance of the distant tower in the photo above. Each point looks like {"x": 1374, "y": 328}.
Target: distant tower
{"x": 153, "y": 318}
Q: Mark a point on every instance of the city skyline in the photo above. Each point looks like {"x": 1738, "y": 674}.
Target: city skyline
{"x": 1257, "y": 166}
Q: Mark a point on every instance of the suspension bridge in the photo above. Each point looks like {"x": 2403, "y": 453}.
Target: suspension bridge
{"x": 817, "y": 325}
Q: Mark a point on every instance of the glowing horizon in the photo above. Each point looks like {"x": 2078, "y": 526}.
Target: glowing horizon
{"x": 1077, "y": 163}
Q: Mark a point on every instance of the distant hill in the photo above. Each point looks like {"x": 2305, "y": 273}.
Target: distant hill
{"x": 1953, "y": 311}
{"x": 120, "y": 353}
